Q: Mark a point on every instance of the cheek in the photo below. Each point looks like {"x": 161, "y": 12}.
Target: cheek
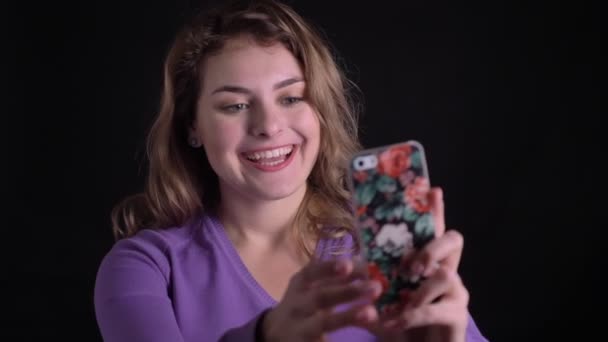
{"x": 220, "y": 137}
{"x": 309, "y": 125}
{"x": 219, "y": 142}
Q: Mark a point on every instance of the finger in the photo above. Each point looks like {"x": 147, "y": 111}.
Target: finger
{"x": 325, "y": 298}
{"x": 438, "y": 285}
{"x": 445, "y": 251}
{"x": 358, "y": 273}
{"x": 391, "y": 311}
{"x": 325, "y": 321}
{"x": 424, "y": 308}
{"x": 407, "y": 258}
{"x": 442, "y": 313}
{"x": 437, "y": 210}
{"x": 435, "y": 197}
{"x": 320, "y": 270}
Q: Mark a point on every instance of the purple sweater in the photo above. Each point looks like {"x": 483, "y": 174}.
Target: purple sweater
{"x": 189, "y": 284}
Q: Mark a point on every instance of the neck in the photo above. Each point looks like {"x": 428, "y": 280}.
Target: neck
{"x": 263, "y": 224}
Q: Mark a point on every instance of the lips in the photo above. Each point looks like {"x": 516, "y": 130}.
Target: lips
{"x": 271, "y": 159}
{"x": 270, "y": 155}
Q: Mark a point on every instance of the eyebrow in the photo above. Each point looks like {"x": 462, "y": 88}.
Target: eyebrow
{"x": 242, "y": 90}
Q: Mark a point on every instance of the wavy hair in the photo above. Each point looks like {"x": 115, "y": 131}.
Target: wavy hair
{"x": 180, "y": 183}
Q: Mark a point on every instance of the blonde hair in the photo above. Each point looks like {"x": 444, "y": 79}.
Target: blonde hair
{"x": 181, "y": 184}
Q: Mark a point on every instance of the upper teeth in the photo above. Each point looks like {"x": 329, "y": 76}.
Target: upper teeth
{"x": 281, "y": 151}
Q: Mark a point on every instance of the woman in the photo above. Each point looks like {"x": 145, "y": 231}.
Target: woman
{"x": 245, "y": 206}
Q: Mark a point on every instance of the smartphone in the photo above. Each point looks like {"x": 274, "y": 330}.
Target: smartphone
{"x": 389, "y": 189}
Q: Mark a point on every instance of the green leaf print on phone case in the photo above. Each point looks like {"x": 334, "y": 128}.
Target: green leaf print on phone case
{"x": 393, "y": 214}
{"x": 424, "y": 227}
{"x": 366, "y": 193}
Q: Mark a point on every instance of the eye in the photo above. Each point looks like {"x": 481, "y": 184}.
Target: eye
{"x": 291, "y": 100}
{"x": 235, "y": 108}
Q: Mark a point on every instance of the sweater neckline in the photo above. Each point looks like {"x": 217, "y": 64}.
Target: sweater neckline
{"x": 235, "y": 259}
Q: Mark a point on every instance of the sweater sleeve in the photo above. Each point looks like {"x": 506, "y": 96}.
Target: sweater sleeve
{"x": 132, "y": 301}
{"x": 473, "y": 333}
{"x": 131, "y": 295}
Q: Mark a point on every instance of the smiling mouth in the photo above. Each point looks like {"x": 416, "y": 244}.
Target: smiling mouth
{"x": 271, "y": 157}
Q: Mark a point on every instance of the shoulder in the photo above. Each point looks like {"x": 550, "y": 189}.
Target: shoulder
{"x": 153, "y": 244}
{"x": 146, "y": 259}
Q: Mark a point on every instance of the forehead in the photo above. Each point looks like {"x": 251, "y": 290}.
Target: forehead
{"x": 243, "y": 61}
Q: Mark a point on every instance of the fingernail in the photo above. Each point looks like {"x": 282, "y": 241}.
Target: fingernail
{"x": 431, "y": 269}
{"x": 363, "y": 316}
{"x": 417, "y": 269}
{"x": 373, "y": 289}
{"x": 340, "y": 266}
{"x": 391, "y": 324}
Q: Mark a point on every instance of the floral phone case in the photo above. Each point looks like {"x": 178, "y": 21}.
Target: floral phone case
{"x": 389, "y": 187}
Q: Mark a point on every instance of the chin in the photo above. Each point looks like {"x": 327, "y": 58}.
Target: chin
{"x": 277, "y": 193}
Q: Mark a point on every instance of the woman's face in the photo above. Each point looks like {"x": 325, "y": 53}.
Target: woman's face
{"x": 260, "y": 134}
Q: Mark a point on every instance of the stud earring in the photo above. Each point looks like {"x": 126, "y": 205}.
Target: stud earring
{"x": 194, "y": 142}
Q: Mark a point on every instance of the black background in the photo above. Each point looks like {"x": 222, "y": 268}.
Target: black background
{"x": 500, "y": 93}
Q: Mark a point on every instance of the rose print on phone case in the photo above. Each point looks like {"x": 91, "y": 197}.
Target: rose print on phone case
{"x": 394, "y": 239}
{"x": 392, "y": 213}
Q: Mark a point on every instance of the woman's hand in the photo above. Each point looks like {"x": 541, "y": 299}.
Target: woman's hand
{"x": 437, "y": 309}
{"x": 307, "y": 311}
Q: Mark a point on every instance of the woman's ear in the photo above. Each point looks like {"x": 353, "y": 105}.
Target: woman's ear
{"x": 194, "y": 139}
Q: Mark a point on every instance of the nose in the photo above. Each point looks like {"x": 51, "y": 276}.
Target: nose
{"x": 266, "y": 121}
